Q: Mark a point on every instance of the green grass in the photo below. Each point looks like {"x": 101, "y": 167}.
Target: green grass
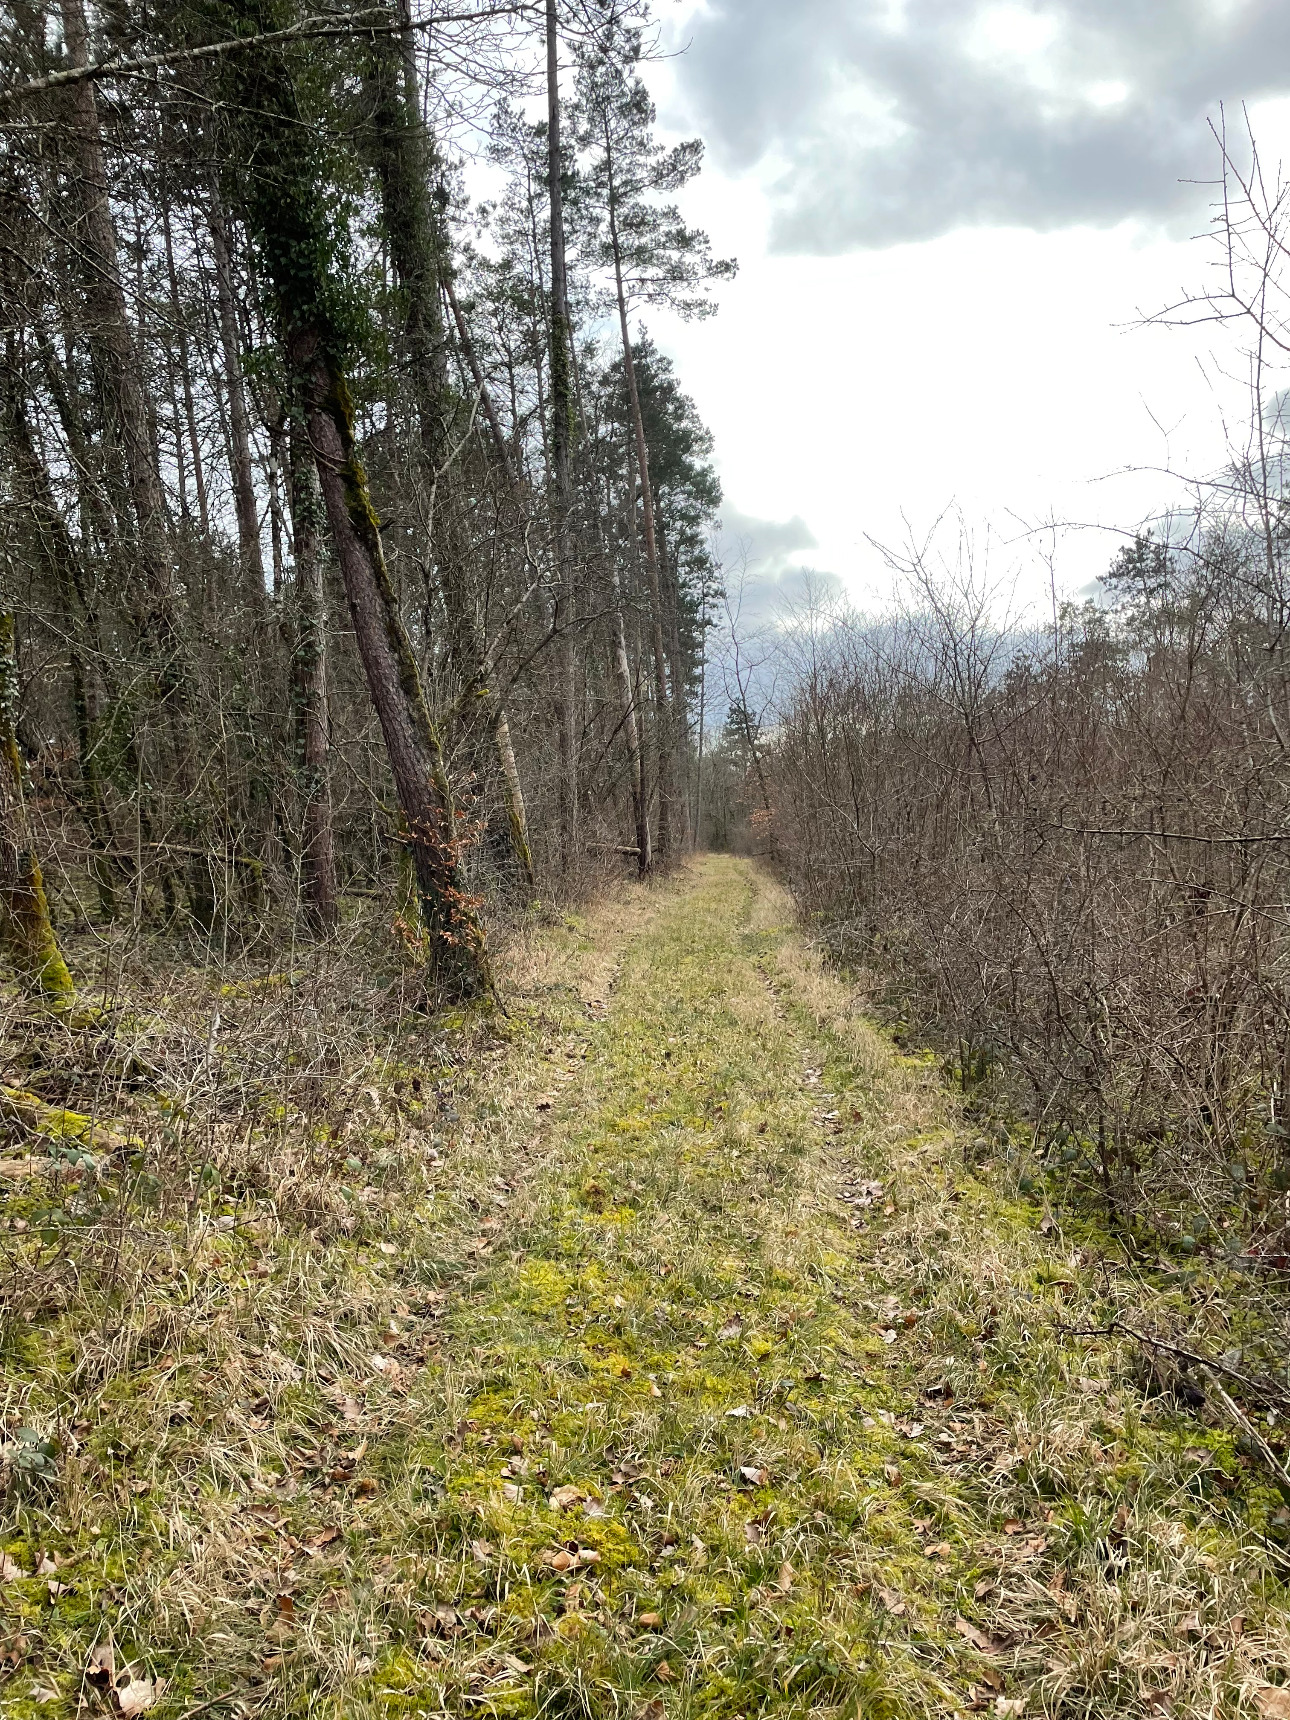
{"x": 827, "y": 1448}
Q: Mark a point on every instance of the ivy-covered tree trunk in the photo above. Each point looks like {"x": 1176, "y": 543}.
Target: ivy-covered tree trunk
{"x": 25, "y": 926}
{"x": 282, "y": 183}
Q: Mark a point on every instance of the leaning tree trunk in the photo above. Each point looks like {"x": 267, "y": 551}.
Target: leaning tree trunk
{"x": 458, "y": 963}
{"x": 26, "y": 930}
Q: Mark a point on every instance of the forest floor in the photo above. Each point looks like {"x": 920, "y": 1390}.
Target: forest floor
{"x": 687, "y": 1358}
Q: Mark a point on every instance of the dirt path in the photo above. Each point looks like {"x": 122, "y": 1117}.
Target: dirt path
{"x": 710, "y": 1381}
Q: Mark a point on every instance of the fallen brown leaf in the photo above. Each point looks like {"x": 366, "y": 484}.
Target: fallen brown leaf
{"x": 1272, "y": 1702}
{"x": 100, "y": 1668}
{"x": 977, "y": 1637}
{"x": 138, "y": 1695}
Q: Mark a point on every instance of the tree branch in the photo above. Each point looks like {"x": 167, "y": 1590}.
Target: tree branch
{"x": 308, "y": 29}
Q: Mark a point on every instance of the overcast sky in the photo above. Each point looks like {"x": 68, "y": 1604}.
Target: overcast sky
{"x": 950, "y": 218}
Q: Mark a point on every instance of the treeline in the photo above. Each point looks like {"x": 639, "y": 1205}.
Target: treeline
{"x": 355, "y": 535}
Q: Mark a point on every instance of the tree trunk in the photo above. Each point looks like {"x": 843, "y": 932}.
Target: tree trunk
{"x": 631, "y": 728}
{"x": 34, "y": 492}
{"x": 459, "y": 966}
{"x": 309, "y": 690}
{"x": 561, "y": 436}
{"x": 151, "y": 596}
{"x": 239, "y": 424}
{"x": 108, "y": 329}
{"x": 678, "y": 715}
{"x": 25, "y": 926}
{"x": 403, "y": 163}
{"x": 285, "y": 190}
{"x": 668, "y": 800}
{"x": 186, "y": 373}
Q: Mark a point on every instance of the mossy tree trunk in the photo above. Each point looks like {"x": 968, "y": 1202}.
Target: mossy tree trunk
{"x": 281, "y": 180}
{"x": 25, "y": 925}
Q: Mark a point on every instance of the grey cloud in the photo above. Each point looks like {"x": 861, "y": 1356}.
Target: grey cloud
{"x": 766, "y": 546}
{"x": 891, "y": 131}
{"x": 764, "y": 570}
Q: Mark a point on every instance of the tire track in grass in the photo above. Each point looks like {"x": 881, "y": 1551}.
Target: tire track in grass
{"x": 652, "y": 1486}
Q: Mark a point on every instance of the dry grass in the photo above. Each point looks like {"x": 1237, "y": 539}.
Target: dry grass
{"x": 313, "y": 1368}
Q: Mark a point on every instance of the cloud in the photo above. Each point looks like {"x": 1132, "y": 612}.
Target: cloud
{"x": 886, "y": 121}
{"x": 765, "y": 546}
{"x": 765, "y": 576}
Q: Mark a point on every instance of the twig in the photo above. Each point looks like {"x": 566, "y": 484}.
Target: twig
{"x": 1264, "y": 1388}
{"x": 1252, "y": 1433}
{"x": 1208, "y": 1370}
{"x": 1169, "y": 835}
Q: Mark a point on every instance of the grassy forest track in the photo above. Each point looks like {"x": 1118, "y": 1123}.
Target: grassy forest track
{"x": 703, "y": 1372}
